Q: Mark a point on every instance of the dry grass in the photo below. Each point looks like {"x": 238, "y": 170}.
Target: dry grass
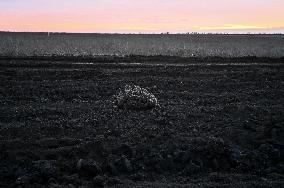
{"x": 187, "y": 45}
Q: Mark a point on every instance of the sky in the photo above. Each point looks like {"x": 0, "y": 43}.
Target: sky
{"x": 143, "y": 16}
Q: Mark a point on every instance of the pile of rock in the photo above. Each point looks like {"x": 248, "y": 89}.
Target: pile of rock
{"x": 135, "y": 97}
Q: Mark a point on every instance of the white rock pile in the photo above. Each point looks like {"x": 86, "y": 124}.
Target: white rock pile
{"x": 136, "y": 98}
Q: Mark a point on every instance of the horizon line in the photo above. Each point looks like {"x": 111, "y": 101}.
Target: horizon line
{"x": 151, "y": 33}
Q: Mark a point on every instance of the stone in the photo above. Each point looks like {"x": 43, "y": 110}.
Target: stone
{"x": 135, "y": 97}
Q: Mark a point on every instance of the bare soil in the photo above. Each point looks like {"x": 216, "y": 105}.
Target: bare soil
{"x": 219, "y": 124}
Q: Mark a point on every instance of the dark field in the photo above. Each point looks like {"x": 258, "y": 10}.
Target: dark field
{"x": 218, "y": 125}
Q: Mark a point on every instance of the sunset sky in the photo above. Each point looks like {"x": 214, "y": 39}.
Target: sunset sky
{"x": 143, "y": 16}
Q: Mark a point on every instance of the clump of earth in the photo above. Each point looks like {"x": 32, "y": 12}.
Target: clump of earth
{"x": 136, "y": 98}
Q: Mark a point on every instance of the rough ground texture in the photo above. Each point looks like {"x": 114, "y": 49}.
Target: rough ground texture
{"x": 217, "y": 125}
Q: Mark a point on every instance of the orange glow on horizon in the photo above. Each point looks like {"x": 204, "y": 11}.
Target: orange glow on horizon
{"x": 148, "y": 16}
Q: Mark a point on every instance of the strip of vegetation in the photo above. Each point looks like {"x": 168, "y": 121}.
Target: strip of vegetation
{"x": 182, "y": 45}
{"x": 149, "y": 59}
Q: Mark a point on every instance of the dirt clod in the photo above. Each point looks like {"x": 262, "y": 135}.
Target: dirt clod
{"x": 123, "y": 165}
{"x": 99, "y": 181}
{"x": 88, "y": 167}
